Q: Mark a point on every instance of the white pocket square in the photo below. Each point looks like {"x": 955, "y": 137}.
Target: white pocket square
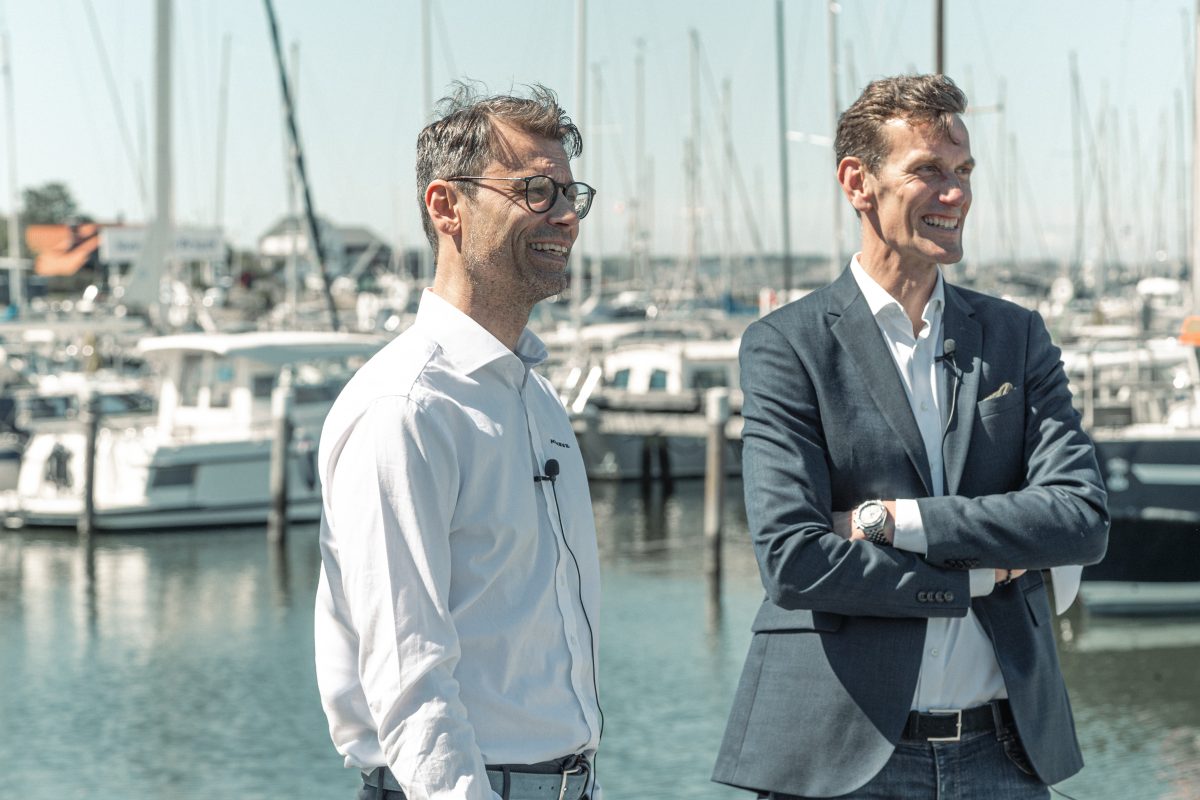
{"x": 1004, "y": 389}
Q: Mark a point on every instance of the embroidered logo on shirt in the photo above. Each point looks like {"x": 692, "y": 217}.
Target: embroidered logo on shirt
{"x": 560, "y": 444}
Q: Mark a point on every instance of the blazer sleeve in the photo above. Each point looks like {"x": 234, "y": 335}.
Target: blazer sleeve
{"x": 1059, "y": 514}
{"x": 803, "y": 563}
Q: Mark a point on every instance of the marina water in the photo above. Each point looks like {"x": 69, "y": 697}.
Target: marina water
{"x": 181, "y": 665}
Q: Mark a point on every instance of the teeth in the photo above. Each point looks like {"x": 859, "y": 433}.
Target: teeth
{"x": 941, "y": 222}
{"x": 550, "y": 248}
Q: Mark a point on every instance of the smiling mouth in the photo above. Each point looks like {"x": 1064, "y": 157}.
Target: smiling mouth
{"x": 552, "y": 249}
{"x": 942, "y": 223}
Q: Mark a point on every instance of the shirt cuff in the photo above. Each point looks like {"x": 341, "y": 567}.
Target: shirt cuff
{"x": 910, "y": 530}
{"x": 982, "y": 582}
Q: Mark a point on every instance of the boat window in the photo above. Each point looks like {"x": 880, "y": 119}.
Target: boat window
{"x": 621, "y": 379}
{"x": 191, "y": 379}
{"x": 708, "y": 378}
{"x": 126, "y": 403}
{"x": 315, "y": 393}
{"x": 52, "y": 407}
{"x": 263, "y": 385}
{"x": 222, "y": 384}
{"x": 658, "y": 380}
{"x": 174, "y": 475}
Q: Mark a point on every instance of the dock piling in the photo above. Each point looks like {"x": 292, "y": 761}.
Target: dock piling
{"x": 91, "y": 426}
{"x": 281, "y": 412}
{"x": 716, "y": 407}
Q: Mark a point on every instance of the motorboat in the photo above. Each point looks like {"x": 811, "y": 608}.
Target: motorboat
{"x": 641, "y": 411}
{"x": 1148, "y": 447}
{"x": 204, "y": 458}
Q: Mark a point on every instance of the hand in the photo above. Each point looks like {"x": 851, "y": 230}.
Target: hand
{"x": 1005, "y": 575}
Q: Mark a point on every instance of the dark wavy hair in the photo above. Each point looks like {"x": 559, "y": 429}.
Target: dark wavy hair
{"x": 461, "y": 140}
{"x": 927, "y": 99}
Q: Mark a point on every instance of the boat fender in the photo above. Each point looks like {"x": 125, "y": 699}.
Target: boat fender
{"x": 58, "y": 467}
{"x": 306, "y": 454}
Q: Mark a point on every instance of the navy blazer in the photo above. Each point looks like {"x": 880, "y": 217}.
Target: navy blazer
{"x": 833, "y": 663}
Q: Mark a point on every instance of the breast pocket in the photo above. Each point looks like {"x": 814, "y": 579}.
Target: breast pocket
{"x": 992, "y": 406}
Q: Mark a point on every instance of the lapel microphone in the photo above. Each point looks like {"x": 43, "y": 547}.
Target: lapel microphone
{"x": 949, "y": 346}
{"x": 551, "y": 470}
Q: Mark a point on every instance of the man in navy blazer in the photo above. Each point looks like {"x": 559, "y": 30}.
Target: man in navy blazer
{"x": 912, "y": 463}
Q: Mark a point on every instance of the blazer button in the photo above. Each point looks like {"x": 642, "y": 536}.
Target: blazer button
{"x": 940, "y": 597}
{"x": 949, "y": 597}
{"x": 922, "y": 597}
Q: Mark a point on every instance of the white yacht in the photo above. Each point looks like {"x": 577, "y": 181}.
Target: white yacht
{"x": 204, "y": 459}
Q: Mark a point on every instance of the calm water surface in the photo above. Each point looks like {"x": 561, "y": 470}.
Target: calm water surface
{"x": 180, "y": 665}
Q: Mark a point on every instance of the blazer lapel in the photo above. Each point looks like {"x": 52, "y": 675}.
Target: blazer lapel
{"x": 958, "y": 323}
{"x": 856, "y": 330}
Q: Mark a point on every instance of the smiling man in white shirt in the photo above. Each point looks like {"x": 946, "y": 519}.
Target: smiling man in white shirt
{"x": 457, "y": 610}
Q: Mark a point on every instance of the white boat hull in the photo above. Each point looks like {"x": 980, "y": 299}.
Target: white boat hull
{"x": 143, "y": 487}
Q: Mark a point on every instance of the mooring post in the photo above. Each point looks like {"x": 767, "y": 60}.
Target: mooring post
{"x": 716, "y": 412}
{"x": 91, "y": 430}
{"x": 281, "y": 445}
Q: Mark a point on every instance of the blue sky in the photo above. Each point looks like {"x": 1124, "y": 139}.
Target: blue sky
{"x": 360, "y": 98}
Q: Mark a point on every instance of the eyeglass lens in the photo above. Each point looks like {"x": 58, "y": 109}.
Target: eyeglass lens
{"x": 540, "y": 192}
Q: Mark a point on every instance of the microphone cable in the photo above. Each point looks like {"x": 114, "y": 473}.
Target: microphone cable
{"x": 551, "y": 470}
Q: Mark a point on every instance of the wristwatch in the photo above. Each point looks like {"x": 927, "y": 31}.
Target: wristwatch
{"x": 871, "y": 518}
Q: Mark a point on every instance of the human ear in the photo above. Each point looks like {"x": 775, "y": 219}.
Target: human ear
{"x": 442, "y": 205}
{"x": 856, "y": 183}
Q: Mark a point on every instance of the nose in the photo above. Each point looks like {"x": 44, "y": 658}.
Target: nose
{"x": 562, "y": 213}
{"x": 955, "y": 191}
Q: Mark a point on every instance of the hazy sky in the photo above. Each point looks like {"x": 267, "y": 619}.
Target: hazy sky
{"x": 360, "y": 98}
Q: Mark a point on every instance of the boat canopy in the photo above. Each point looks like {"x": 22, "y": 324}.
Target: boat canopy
{"x": 268, "y": 347}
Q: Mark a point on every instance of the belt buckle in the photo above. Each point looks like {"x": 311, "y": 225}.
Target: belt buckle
{"x": 575, "y": 768}
{"x": 957, "y": 712}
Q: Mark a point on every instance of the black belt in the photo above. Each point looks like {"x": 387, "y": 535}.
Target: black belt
{"x": 561, "y": 779}
{"x": 941, "y": 725}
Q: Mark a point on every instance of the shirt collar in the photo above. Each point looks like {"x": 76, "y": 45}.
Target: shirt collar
{"x": 879, "y": 300}
{"x": 467, "y": 344}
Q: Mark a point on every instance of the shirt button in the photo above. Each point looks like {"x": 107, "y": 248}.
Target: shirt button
{"x": 924, "y": 406}
{"x": 934, "y": 652}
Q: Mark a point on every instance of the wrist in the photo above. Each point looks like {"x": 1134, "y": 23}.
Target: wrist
{"x": 875, "y": 521}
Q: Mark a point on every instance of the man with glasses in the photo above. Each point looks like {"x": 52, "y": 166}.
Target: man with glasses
{"x": 912, "y": 463}
{"x": 456, "y": 620}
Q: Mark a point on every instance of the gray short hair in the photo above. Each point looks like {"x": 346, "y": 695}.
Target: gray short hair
{"x": 461, "y": 140}
{"x": 928, "y": 99}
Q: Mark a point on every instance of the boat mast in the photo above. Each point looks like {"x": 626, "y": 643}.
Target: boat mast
{"x": 1194, "y": 249}
{"x": 785, "y": 200}
{"x": 161, "y": 234}
{"x": 835, "y": 261}
{"x": 939, "y": 37}
{"x": 222, "y": 126}
{"x": 298, "y": 155}
{"x": 425, "y": 266}
{"x": 693, "y": 165}
{"x": 576, "y": 260}
{"x": 727, "y": 190}
{"x": 291, "y": 274}
{"x": 16, "y": 288}
{"x": 598, "y": 233}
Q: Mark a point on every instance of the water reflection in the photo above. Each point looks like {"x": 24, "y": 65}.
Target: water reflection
{"x": 180, "y": 664}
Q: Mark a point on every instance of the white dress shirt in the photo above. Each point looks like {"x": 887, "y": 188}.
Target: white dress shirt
{"x": 959, "y": 668}
{"x": 458, "y": 603}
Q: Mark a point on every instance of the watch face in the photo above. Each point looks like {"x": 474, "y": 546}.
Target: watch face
{"x": 871, "y": 515}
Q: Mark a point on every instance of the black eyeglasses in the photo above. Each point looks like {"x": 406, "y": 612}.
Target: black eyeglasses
{"x": 541, "y": 191}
